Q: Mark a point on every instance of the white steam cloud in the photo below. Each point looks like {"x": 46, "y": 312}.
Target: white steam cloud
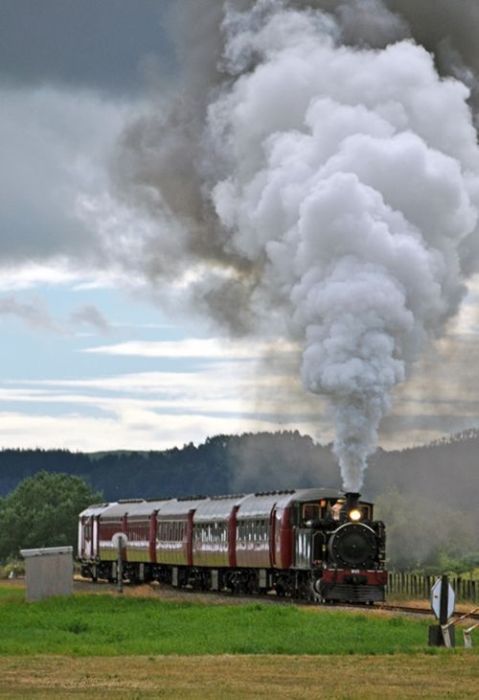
{"x": 319, "y": 179}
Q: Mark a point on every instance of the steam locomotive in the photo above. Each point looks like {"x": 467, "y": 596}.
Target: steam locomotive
{"x": 313, "y": 544}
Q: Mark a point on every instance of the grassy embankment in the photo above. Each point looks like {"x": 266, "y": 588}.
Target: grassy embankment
{"x": 107, "y": 625}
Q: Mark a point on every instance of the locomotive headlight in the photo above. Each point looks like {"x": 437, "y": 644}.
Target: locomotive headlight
{"x": 355, "y": 515}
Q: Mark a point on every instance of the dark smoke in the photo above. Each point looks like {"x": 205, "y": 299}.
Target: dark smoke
{"x": 314, "y": 176}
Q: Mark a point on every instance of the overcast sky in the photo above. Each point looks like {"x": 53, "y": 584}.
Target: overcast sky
{"x": 103, "y": 45}
{"x": 91, "y": 360}
{"x": 88, "y": 361}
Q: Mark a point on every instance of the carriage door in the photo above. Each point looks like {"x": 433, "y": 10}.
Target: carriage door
{"x": 302, "y": 548}
{"x": 95, "y": 537}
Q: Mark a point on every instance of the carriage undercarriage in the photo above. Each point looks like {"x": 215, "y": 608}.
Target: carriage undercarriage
{"x": 296, "y": 584}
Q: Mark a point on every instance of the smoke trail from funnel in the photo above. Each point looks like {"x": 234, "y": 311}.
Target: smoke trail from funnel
{"x": 325, "y": 189}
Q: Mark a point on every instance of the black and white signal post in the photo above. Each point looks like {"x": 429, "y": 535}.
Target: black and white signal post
{"x": 443, "y": 600}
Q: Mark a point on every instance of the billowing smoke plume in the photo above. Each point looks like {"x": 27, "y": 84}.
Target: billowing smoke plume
{"x": 316, "y": 174}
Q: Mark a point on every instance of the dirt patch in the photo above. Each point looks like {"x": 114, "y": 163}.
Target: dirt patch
{"x": 168, "y": 593}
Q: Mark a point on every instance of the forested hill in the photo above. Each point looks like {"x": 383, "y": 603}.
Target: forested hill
{"x": 447, "y": 471}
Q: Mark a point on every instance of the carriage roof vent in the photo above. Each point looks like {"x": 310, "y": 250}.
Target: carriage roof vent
{"x": 131, "y": 500}
{"x": 227, "y": 495}
{"x": 192, "y": 498}
{"x": 163, "y": 498}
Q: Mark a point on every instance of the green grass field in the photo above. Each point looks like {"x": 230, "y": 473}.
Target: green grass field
{"x": 139, "y": 646}
{"x": 107, "y": 625}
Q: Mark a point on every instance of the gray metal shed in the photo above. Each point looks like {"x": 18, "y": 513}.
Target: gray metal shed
{"x": 48, "y": 572}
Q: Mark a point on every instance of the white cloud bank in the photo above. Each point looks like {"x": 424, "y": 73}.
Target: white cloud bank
{"x": 205, "y": 348}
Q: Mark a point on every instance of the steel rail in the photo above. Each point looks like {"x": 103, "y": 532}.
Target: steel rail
{"x": 271, "y": 598}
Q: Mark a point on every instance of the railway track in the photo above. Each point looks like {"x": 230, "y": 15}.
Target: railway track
{"x": 419, "y": 611}
{"x": 168, "y": 592}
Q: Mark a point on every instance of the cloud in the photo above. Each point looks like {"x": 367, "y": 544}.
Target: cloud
{"x": 33, "y": 314}
{"x": 204, "y": 348}
{"x": 25, "y": 275}
{"x": 155, "y": 410}
{"x": 467, "y": 320}
{"x": 89, "y": 315}
{"x": 222, "y": 397}
{"x": 225, "y": 386}
{"x": 54, "y": 144}
{"x": 130, "y": 428}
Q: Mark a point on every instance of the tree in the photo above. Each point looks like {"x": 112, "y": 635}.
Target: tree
{"x": 421, "y": 534}
{"x": 43, "y": 512}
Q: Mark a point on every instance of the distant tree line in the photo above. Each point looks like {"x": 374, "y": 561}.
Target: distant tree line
{"x": 426, "y": 495}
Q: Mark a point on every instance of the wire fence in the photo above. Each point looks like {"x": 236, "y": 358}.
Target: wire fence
{"x": 418, "y": 586}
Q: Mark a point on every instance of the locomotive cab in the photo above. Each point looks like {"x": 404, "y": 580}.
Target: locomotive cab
{"x": 326, "y": 513}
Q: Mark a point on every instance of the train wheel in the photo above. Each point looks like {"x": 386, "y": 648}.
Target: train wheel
{"x": 309, "y": 591}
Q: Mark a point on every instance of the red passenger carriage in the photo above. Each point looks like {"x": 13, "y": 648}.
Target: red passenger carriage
{"x": 310, "y": 543}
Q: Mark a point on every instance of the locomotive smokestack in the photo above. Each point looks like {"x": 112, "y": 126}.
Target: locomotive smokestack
{"x": 352, "y": 499}
{"x": 351, "y": 510}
